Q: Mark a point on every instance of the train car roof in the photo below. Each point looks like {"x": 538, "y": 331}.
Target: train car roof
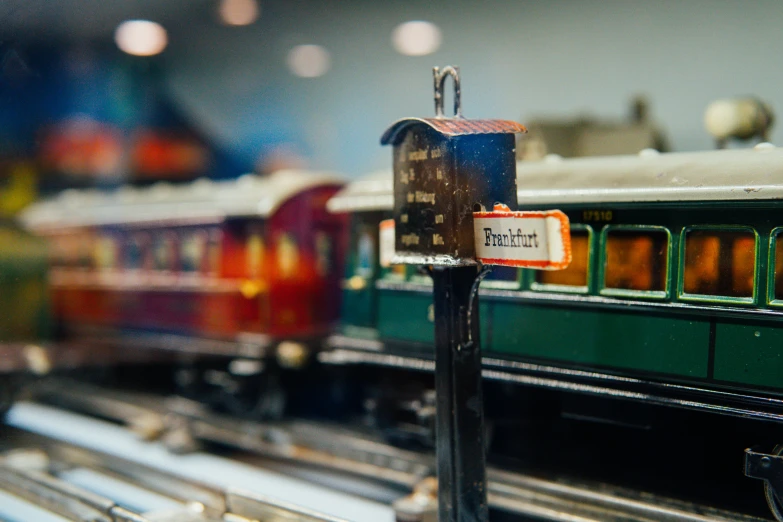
{"x": 650, "y": 176}
{"x": 372, "y": 192}
{"x": 200, "y": 200}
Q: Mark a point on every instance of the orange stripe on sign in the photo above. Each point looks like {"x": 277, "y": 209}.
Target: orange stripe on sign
{"x": 551, "y": 265}
{"x": 501, "y": 212}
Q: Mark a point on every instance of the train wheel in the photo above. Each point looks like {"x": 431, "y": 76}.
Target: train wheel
{"x": 255, "y": 391}
{"x": 773, "y": 499}
{"x": 248, "y": 388}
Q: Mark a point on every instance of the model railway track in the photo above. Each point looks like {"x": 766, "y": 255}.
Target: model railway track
{"x": 325, "y": 453}
{"x": 61, "y": 480}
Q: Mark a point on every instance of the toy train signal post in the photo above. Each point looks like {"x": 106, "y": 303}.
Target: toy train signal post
{"x": 454, "y": 211}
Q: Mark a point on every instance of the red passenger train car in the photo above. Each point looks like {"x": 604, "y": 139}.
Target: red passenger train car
{"x": 230, "y": 265}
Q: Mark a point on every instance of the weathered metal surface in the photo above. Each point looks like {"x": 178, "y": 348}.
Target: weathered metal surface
{"x": 445, "y": 169}
{"x": 769, "y": 468}
{"x": 452, "y": 127}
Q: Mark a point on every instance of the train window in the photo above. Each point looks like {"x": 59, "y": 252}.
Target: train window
{"x": 636, "y": 259}
{"x": 105, "y": 253}
{"x": 365, "y": 253}
{"x": 134, "y": 253}
{"x": 503, "y": 276}
{"x": 323, "y": 253}
{"x": 192, "y": 251}
{"x": 254, "y": 252}
{"x": 84, "y": 245}
{"x": 213, "y": 252}
{"x": 287, "y": 256}
{"x": 64, "y": 250}
{"x": 396, "y": 272}
{"x": 719, "y": 262}
{"x": 162, "y": 252}
{"x": 778, "y": 263}
{"x": 576, "y": 274}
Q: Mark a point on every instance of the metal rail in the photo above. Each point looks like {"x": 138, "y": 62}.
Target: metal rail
{"x": 340, "y": 451}
{"x": 41, "y": 476}
{"x": 730, "y": 403}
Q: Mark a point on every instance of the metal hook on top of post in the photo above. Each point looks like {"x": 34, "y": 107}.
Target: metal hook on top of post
{"x": 439, "y": 79}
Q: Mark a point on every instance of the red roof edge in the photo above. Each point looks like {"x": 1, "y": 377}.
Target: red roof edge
{"x": 453, "y": 127}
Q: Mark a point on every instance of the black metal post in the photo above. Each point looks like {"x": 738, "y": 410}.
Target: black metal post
{"x": 462, "y": 480}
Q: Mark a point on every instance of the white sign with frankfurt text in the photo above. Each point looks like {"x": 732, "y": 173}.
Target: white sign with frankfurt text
{"x": 529, "y": 239}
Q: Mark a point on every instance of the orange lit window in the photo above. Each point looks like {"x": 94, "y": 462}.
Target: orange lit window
{"x": 397, "y": 272}
{"x": 720, "y": 262}
{"x": 636, "y": 260}
{"x": 254, "y": 250}
{"x": 576, "y": 273}
{"x": 105, "y": 252}
{"x": 287, "y": 256}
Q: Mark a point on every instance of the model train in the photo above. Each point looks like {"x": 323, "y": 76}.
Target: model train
{"x": 238, "y": 268}
{"x": 676, "y": 278}
{"x": 674, "y": 295}
{"x": 677, "y": 272}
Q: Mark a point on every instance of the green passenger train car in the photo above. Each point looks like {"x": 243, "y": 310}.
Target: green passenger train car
{"x": 674, "y": 294}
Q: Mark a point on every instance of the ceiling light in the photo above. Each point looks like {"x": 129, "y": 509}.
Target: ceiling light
{"x": 239, "y": 12}
{"x": 141, "y": 37}
{"x": 416, "y": 38}
{"x": 309, "y": 61}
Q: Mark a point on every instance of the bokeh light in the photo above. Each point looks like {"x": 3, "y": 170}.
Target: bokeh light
{"x": 416, "y": 38}
{"x": 309, "y": 61}
{"x": 141, "y": 37}
{"x": 239, "y": 12}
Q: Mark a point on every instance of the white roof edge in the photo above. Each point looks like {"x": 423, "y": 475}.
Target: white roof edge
{"x": 374, "y": 191}
{"x": 713, "y": 175}
{"x": 717, "y": 175}
{"x": 199, "y": 200}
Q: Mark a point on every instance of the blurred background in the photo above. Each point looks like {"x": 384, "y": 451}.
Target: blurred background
{"x": 218, "y": 88}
